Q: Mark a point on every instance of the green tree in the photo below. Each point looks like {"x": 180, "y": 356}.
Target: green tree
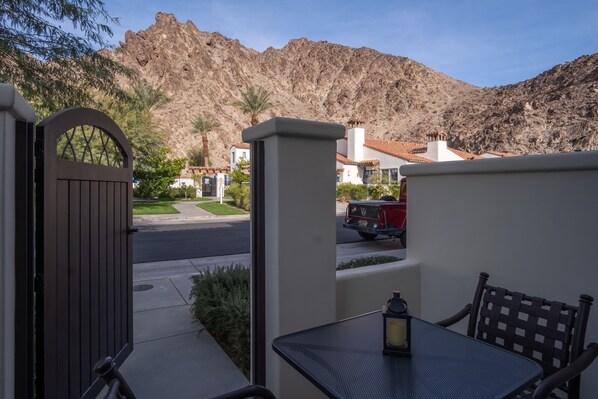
{"x": 204, "y": 124}
{"x": 195, "y": 157}
{"x": 136, "y": 120}
{"x": 237, "y": 174}
{"x": 48, "y": 50}
{"x": 254, "y": 101}
{"x": 148, "y": 97}
{"x": 156, "y": 173}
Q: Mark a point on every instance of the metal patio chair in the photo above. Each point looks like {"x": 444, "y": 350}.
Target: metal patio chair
{"x": 119, "y": 389}
{"x": 548, "y": 332}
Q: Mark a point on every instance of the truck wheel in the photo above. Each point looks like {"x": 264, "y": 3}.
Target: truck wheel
{"x": 403, "y": 239}
{"x": 367, "y": 236}
{"x": 387, "y": 198}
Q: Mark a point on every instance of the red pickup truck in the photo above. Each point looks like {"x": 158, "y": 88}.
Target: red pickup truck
{"x": 386, "y": 216}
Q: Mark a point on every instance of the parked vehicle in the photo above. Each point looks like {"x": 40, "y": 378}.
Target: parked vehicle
{"x": 386, "y": 216}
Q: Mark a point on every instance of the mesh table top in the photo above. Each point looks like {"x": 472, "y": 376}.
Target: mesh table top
{"x": 345, "y": 360}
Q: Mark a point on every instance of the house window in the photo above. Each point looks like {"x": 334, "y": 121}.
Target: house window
{"x": 233, "y": 155}
{"x": 367, "y": 173}
{"x": 390, "y": 175}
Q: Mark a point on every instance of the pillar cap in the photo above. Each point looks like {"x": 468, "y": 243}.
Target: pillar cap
{"x": 12, "y": 101}
{"x": 290, "y": 127}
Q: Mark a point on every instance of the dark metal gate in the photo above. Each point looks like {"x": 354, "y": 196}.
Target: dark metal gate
{"x": 208, "y": 186}
{"x": 84, "y": 253}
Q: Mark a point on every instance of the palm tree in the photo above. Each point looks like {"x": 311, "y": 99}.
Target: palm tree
{"x": 255, "y": 100}
{"x": 204, "y": 124}
{"x": 149, "y": 97}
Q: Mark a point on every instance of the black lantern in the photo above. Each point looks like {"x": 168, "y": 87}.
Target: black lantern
{"x": 397, "y": 326}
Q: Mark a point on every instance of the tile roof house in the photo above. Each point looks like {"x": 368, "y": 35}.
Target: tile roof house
{"x": 357, "y": 158}
{"x": 237, "y": 152}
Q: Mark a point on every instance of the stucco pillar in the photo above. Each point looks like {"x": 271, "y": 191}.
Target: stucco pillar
{"x": 299, "y": 236}
{"x": 12, "y": 108}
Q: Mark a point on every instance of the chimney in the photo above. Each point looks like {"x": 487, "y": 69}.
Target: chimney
{"x": 437, "y": 149}
{"x": 355, "y": 140}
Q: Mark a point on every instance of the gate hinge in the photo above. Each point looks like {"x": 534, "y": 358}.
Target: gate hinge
{"x": 38, "y": 283}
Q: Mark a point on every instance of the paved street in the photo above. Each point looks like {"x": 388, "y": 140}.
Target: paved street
{"x": 195, "y": 239}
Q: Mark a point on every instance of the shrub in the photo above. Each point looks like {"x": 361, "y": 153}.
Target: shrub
{"x": 375, "y": 191}
{"x": 395, "y": 190}
{"x": 195, "y": 157}
{"x": 185, "y": 191}
{"x": 240, "y": 195}
{"x": 366, "y": 261}
{"x": 221, "y": 303}
{"x": 349, "y": 191}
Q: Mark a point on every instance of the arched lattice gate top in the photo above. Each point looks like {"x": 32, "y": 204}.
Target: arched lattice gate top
{"x": 84, "y": 254}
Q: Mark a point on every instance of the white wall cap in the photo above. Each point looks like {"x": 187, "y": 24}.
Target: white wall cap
{"x": 290, "y": 127}
{"x": 376, "y": 269}
{"x": 583, "y": 160}
{"x": 12, "y": 102}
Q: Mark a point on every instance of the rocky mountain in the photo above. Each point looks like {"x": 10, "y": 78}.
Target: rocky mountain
{"x": 397, "y": 98}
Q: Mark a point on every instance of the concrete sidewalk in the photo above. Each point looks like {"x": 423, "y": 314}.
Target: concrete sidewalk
{"x": 173, "y": 355}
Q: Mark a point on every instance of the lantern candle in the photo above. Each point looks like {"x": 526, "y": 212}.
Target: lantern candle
{"x": 396, "y": 327}
{"x": 396, "y": 333}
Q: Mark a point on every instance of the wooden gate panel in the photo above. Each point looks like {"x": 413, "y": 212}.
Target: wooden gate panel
{"x": 85, "y": 293}
{"x": 84, "y": 252}
{"x": 74, "y": 283}
{"x": 94, "y": 271}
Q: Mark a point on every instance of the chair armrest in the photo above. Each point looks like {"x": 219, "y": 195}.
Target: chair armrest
{"x": 571, "y": 371}
{"x": 117, "y": 386}
{"x": 248, "y": 392}
{"x": 455, "y": 318}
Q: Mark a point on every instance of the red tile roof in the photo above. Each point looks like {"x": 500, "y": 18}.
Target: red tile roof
{"x": 500, "y": 154}
{"x": 369, "y": 162}
{"x": 205, "y": 170}
{"x": 241, "y": 146}
{"x": 344, "y": 160}
{"x": 399, "y": 149}
{"x": 465, "y": 155}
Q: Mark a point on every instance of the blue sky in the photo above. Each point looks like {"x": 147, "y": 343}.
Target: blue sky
{"x": 483, "y": 42}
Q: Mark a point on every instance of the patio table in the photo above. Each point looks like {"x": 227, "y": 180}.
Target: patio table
{"x": 345, "y": 360}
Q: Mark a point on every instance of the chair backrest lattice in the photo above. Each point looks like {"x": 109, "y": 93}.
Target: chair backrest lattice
{"x": 549, "y": 332}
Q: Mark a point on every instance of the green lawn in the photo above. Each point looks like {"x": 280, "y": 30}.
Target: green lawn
{"x": 153, "y": 208}
{"x": 216, "y": 208}
{"x": 204, "y": 199}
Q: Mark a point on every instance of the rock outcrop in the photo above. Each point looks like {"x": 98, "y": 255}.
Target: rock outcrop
{"x": 397, "y": 98}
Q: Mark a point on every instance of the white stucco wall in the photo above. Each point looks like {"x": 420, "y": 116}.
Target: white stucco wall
{"x": 12, "y": 107}
{"x": 365, "y": 289}
{"x": 350, "y": 173}
{"x": 300, "y": 241}
{"x": 236, "y": 154}
{"x": 530, "y": 222}
{"x": 341, "y": 146}
{"x": 356, "y": 140}
{"x": 438, "y": 151}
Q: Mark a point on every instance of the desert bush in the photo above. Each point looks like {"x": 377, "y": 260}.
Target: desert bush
{"x": 221, "y": 302}
{"x": 394, "y": 190}
{"x": 375, "y": 191}
{"x": 366, "y": 261}
{"x": 349, "y": 191}
{"x": 186, "y": 192}
{"x": 240, "y": 195}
